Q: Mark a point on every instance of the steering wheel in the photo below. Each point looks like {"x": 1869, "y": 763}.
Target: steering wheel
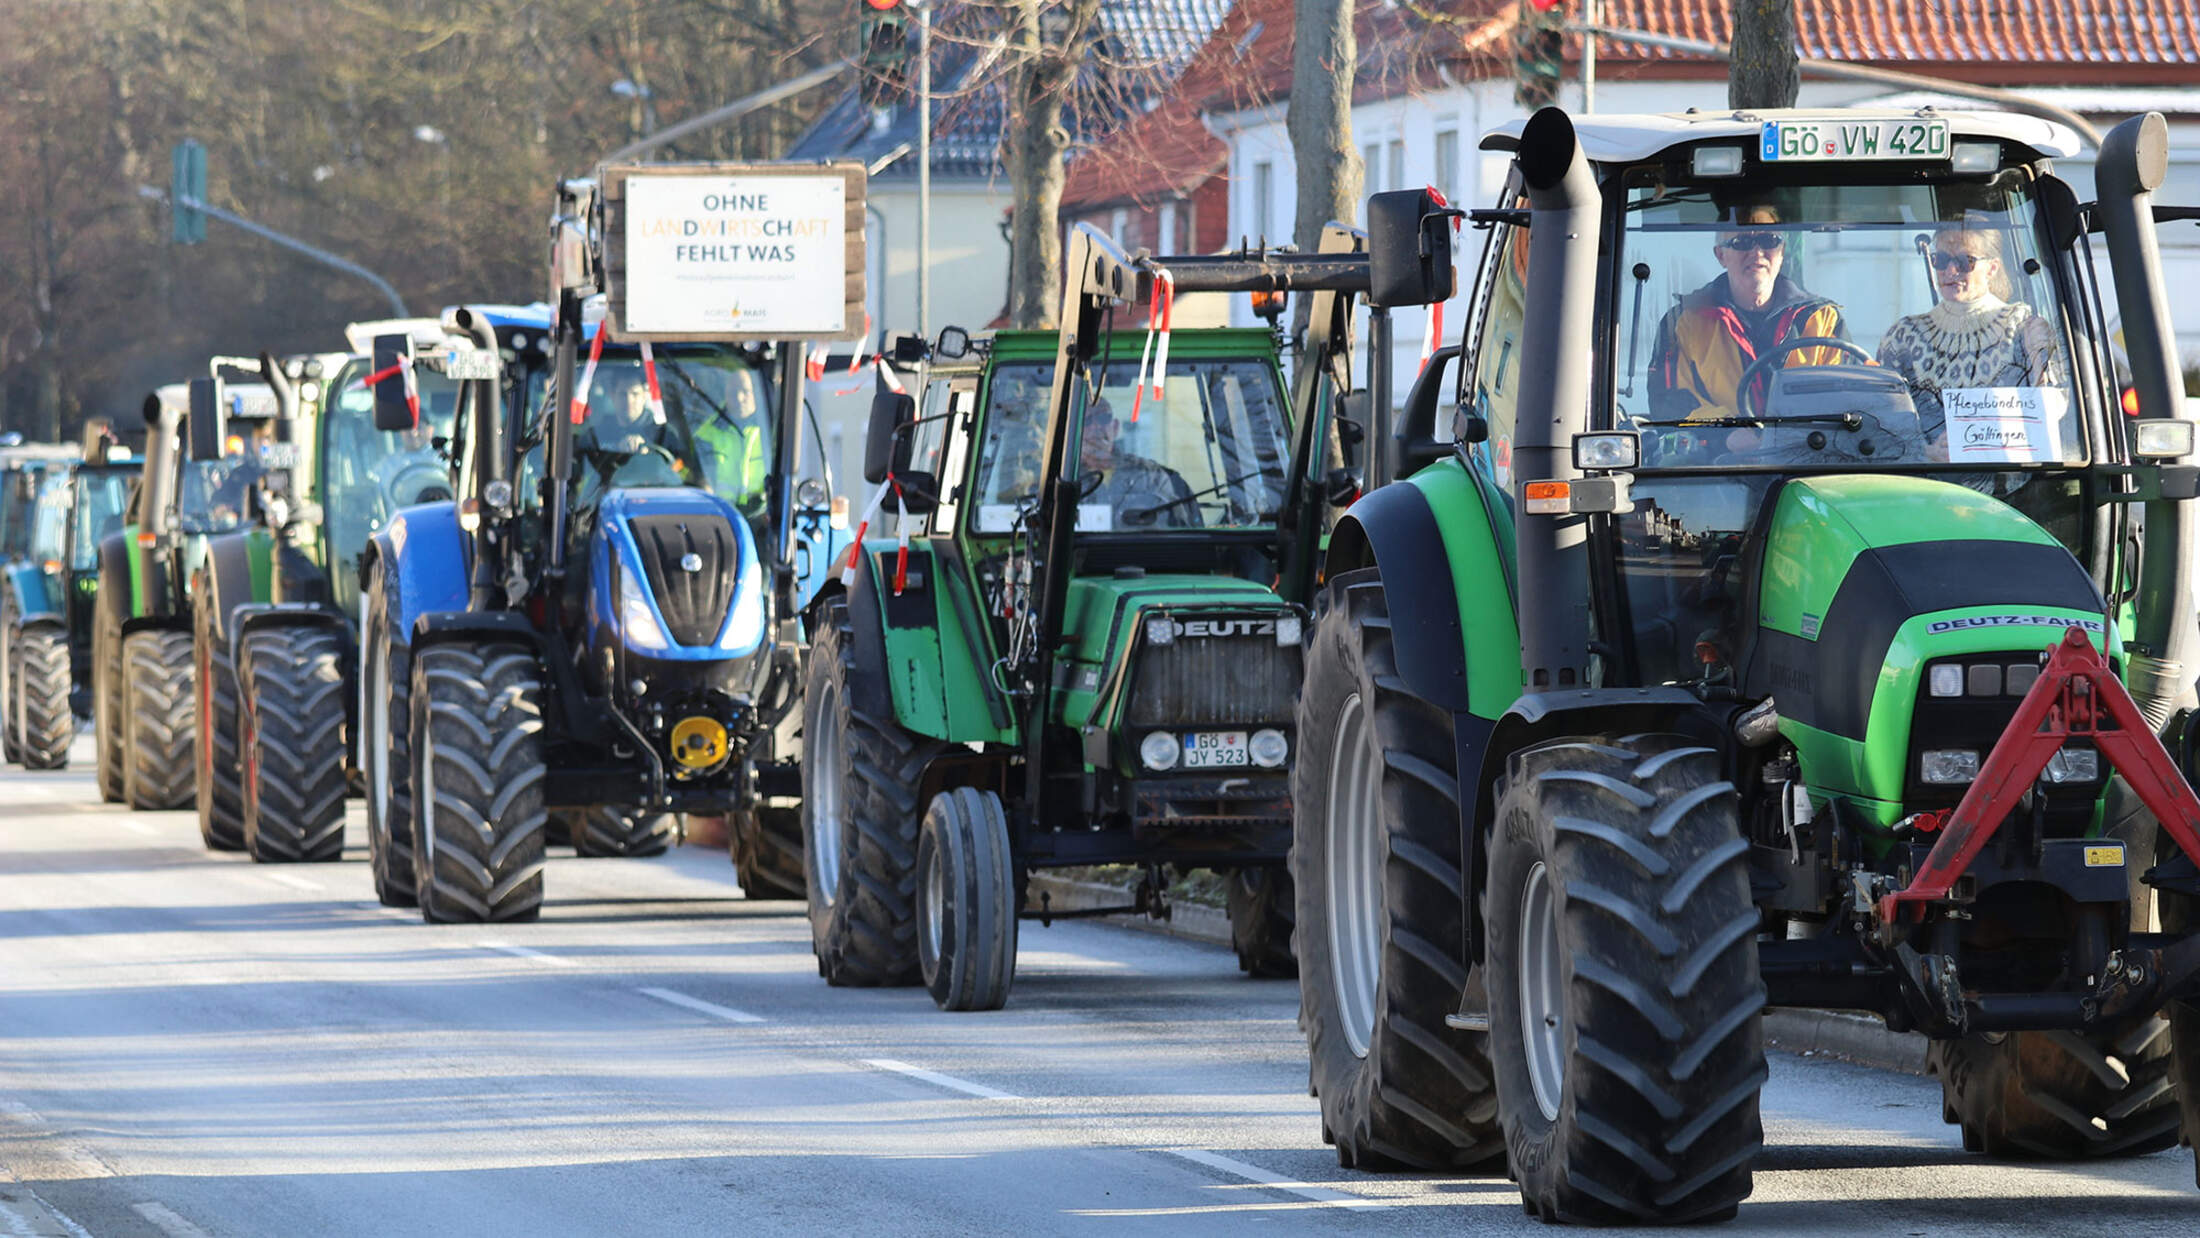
{"x": 1778, "y": 352}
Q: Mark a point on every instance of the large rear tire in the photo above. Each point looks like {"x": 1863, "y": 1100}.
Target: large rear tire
{"x": 1375, "y": 867}
{"x": 1625, "y": 1001}
{"x": 110, "y": 751}
{"x": 966, "y": 901}
{"x": 477, "y": 778}
{"x": 385, "y": 717}
{"x": 1263, "y": 911}
{"x": 766, "y": 845}
{"x": 42, "y": 696}
{"x": 2180, "y": 913}
{"x": 10, "y": 750}
{"x": 158, "y": 728}
{"x": 294, "y": 746}
{"x": 217, "y": 765}
{"x": 603, "y": 831}
{"x": 860, "y": 815}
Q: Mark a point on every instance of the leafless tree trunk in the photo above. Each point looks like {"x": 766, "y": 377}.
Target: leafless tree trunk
{"x": 1039, "y": 84}
{"x": 1323, "y": 55}
{"x": 1764, "y": 70}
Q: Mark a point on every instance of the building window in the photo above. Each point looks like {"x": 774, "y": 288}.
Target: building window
{"x": 1447, "y": 164}
{"x": 1397, "y": 163}
{"x": 1371, "y": 167}
{"x": 1115, "y": 226}
{"x": 1264, "y": 197}
{"x": 1167, "y": 240}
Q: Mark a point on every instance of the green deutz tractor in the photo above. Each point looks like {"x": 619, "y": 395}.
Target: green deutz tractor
{"x": 139, "y": 658}
{"x": 1083, "y": 646}
{"x": 274, "y": 602}
{"x": 1632, "y": 714}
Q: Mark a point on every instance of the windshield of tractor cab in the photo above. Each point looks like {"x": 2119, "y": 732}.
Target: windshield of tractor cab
{"x": 369, "y": 475}
{"x": 212, "y": 497}
{"x": 1841, "y": 325}
{"x": 1211, "y": 451}
{"x": 101, "y": 494}
{"x": 49, "y": 520}
{"x": 714, "y": 429}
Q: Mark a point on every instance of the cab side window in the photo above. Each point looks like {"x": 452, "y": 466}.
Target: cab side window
{"x": 1491, "y": 385}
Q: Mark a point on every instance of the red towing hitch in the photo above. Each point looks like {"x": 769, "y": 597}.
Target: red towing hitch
{"x": 2076, "y": 696}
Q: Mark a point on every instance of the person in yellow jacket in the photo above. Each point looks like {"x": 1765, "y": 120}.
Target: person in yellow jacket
{"x": 1706, "y": 341}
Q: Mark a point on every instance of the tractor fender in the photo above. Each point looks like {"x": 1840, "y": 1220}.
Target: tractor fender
{"x": 1441, "y": 531}
{"x": 227, "y": 581}
{"x": 32, "y": 593}
{"x": 929, "y": 645}
{"x": 867, "y": 641}
{"x": 117, "y": 592}
{"x": 427, "y": 550}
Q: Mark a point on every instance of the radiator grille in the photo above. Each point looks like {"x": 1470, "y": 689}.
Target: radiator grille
{"x": 693, "y": 603}
{"x": 1238, "y": 681}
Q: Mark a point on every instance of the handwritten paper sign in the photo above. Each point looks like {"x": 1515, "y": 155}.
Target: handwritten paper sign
{"x": 2004, "y": 425}
{"x": 725, "y": 254}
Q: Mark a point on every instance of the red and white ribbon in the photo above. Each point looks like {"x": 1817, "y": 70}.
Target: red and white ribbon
{"x": 901, "y": 540}
{"x": 855, "y": 355}
{"x": 649, "y": 377}
{"x": 863, "y": 526}
{"x": 588, "y": 376}
{"x": 886, "y": 374}
{"x": 813, "y": 363}
{"x": 1158, "y": 316}
{"x": 400, "y": 368}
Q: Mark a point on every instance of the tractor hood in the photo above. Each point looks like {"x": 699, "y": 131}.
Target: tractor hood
{"x": 1230, "y": 654}
{"x": 1860, "y": 581}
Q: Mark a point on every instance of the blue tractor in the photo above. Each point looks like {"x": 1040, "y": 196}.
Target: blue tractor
{"x": 600, "y": 633}
{"x": 34, "y": 509}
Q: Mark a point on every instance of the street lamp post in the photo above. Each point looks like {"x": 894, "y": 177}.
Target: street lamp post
{"x": 924, "y": 167}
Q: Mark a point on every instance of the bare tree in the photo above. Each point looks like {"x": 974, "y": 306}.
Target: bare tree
{"x": 1323, "y": 57}
{"x": 1764, "y": 73}
{"x": 1041, "y": 72}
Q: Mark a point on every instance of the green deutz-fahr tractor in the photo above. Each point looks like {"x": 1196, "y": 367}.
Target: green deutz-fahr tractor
{"x": 273, "y": 602}
{"x": 140, "y": 640}
{"x": 1633, "y": 713}
{"x": 1088, "y": 651}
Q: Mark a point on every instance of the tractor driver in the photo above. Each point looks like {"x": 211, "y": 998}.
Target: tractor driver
{"x": 735, "y": 443}
{"x": 624, "y": 444}
{"x": 1140, "y": 492}
{"x": 1706, "y": 341}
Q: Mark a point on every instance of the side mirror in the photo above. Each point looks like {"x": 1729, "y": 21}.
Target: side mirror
{"x": 920, "y": 492}
{"x": 205, "y": 424}
{"x": 1417, "y": 440}
{"x": 953, "y": 342}
{"x": 910, "y": 350}
{"x": 891, "y": 413}
{"x": 1351, "y": 418}
{"x": 392, "y": 411}
{"x": 1408, "y": 249}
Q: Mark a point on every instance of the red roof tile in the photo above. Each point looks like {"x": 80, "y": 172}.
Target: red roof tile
{"x": 1891, "y": 32}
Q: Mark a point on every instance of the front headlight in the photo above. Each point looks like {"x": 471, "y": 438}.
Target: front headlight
{"x": 2072, "y": 765}
{"x": 745, "y": 622}
{"x": 1949, "y": 766}
{"x": 1290, "y": 629}
{"x": 1268, "y": 748}
{"x": 1159, "y": 750}
{"x": 638, "y": 626}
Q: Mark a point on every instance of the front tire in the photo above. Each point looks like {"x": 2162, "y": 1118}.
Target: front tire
{"x": 220, "y": 789}
{"x": 1375, "y": 866}
{"x": 110, "y": 750}
{"x": 42, "y": 696}
{"x": 1625, "y": 1000}
{"x": 477, "y": 777}
{"x": 157, "y": 722}
{"x": 294, "y": 746}
{"x": 966, "y": 901}
{"x": 860, "y": 806}
{"x": 1263, "y": 912}
{"x": 766, "y": 847}
{"x": 602, "y": 831}
{"x": 385, "y": 715}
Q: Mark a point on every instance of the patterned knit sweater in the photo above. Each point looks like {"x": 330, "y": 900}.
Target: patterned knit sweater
{"x": 1984, "y": 343}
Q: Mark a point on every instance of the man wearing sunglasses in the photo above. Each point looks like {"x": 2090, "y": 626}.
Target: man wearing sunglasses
{"x": 1706, "y": 341}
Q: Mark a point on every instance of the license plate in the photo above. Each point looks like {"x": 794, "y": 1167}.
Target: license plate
{"x": 466, "y": 364}
{"x": 1209, "y": 749}
{"x": 1806, "y": 141}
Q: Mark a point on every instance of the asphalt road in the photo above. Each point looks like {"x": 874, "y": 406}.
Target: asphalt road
{"x": 191, "y": 1044}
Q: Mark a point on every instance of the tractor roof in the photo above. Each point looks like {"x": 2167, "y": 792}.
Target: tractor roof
{"x": 1630, "y": 139}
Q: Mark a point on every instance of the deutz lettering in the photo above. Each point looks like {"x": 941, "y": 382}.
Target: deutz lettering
{"x": 1226, "y": 627}
{"x": 2013, "y": 621}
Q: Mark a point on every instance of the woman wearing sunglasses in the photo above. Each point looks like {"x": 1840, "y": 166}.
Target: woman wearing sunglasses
{"x": 1974, "y": 336}
{"x": 1707, "y": 340}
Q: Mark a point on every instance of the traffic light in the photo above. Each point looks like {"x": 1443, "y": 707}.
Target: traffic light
{"x": 187, "y": 182}
{"x": 883, "y": 34}
{"x": 1539, "y": 54}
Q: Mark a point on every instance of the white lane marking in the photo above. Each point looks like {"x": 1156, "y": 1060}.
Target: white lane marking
{"x": 166, "y": 1220}
{"x": 697, "y": 1004}
{"x": 1254, "y": 1173}
{"x": 294, "y": 882}
{"x": 524, "y": 953}
{"x": 937, "y": 1079}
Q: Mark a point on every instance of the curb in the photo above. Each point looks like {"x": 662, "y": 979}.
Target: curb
{"x": 1836, "y": 1034}
{"x": 1190, "y": 921}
